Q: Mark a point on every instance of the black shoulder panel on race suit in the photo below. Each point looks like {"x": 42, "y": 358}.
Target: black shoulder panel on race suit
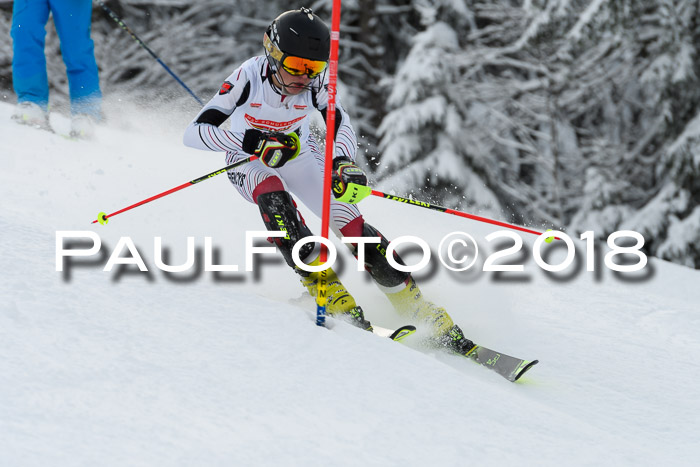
{"x": 212, "y": 117}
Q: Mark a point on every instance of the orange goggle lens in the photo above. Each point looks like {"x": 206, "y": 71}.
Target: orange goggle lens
{"x": 297, "y": 66}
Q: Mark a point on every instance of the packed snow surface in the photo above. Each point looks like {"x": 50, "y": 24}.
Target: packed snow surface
{"x": 202, "y": 368}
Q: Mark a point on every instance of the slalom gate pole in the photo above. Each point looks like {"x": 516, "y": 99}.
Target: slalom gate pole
{"x": 321, "y": 296}
{"x": 119, "y": 21}
{"x": 102, "y": 218}
{"x": 435, "y": 207}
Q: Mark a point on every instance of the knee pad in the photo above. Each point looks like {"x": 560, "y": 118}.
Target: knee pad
{"x": 375, "y": 260}
{"x": 280, "y": 213}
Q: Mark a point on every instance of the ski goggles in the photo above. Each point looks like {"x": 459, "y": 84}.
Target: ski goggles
{"x": 297, "y": 66}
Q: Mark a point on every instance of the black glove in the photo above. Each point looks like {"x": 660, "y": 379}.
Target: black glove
{"x": 273, "y": 149}
{"x": 349, "y": 181}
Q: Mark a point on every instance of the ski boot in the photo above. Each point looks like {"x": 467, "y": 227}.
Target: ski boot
{"x": 455, "y": 341}
{"x": 29, "y": 113}
{"x": 444, "y": 332}
{"x": 340, "y": 303}
{"x": 409, "y": 301}
{"x": 82, "y": 126}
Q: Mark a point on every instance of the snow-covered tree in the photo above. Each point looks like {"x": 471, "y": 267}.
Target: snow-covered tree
{"x": 648, "y": 147}
{"x": 425, "y": 150}
{"x": 576, "y": 114}
{"x": 670, "y": 220}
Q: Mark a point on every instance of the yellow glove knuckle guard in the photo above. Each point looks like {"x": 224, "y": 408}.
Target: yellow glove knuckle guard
{"x": 354, "y": 193}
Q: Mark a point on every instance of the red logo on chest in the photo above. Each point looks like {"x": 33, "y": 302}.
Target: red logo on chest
{"x": 271, "y": 124}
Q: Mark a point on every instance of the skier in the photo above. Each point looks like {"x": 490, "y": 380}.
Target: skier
{"x": 269, "y": 99}
{"x": 31, "y": 84}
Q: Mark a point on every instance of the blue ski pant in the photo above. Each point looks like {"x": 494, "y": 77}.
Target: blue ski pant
{"x": 72, "y": 19}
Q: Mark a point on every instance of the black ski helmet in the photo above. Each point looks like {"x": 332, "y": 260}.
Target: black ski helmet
{"x": 298, "y": 33}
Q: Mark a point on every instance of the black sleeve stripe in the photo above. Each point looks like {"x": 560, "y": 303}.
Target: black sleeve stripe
{"x": 203, "y": 140}
{"x": 212, "y": 117}
{"x": 215, "y": 138}
{"x": 218, "y": 137}
{"x": 232, "y": 138}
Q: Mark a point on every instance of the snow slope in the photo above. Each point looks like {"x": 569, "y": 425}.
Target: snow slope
{"x": 197, "y": 368}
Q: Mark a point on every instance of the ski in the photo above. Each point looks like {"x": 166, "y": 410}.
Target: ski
{"x": 510, "y": 368}
{"x": 402, "y": 333}
{"x": 395, "y": 335}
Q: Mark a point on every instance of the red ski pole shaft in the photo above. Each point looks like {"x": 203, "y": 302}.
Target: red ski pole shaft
{"x": 435, "y": 207}
{"x": 102, "y": 218}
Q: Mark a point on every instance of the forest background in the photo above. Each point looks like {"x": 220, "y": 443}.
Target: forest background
{"x": 566, "y": 114}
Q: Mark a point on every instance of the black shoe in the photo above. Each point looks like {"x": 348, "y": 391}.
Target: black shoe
{"x": 455, "y": 341}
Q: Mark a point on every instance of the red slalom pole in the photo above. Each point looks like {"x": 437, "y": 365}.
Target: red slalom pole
{"x": 102, "y": 218}
{"x": 435, "y": 207}
{"x": 321, "y": 298}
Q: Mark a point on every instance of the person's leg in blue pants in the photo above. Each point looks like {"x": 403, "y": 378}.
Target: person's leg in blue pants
{"x": 72, "y": 19}
{"x": 28, "y": 33}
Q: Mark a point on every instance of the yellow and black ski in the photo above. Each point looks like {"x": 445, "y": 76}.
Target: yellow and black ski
{"x": 394, "y": 334}
{"x": 511, "y": 368}
{"x": 402, "y": 333}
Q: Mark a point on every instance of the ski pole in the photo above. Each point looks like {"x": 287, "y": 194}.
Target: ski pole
{"x": 102, "y": 218}
{"x": 119, "y": 21}
{"x": 435, "y": 207}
